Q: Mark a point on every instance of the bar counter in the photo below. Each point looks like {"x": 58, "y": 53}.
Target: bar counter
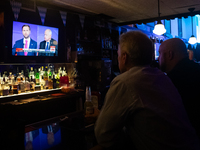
{"x": 40, "y": 105}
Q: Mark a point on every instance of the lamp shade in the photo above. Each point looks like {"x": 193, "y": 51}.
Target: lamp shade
{"x": 192, "y": 40}
{"x": 159, "y": 29}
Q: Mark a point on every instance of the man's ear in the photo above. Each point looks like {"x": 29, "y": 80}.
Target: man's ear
{"x": 124, "y": 58}
{"x": 170, "y": 55}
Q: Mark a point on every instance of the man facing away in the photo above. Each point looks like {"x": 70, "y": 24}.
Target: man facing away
{"x": 185, "y": 74}
{"x": 143, "y": 102}
{"x": 25, "y": 43}
{"x": 48, "y": 43}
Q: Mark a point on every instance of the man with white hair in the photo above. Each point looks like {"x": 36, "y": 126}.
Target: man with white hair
{"x": 143, "y": 110}
{"x": 48, "y": 43}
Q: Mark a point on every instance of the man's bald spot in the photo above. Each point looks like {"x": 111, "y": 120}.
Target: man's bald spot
{"x": 175, "y": 45}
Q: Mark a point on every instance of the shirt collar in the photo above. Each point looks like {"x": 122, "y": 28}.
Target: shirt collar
{"x": 27, "y": 39}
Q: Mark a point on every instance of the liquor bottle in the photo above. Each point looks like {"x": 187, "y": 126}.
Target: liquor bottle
{"x": 22, "y": 75}
{"x": 49, "y": 73}
{"x": 64, "y": 72}
{"x": 59, "y": 72}
{"x": 42, "y": 83}
{"x": 5, "y": 78}
{"x": 19, "y": 78}
{"x": 54, "y": 82}
{"x": 5, "y": 90}
{"x": 17, "y": 71}
{"x": 13, "y": 79}
{"x": 42, "y": 70}
{"x": 27, "y": 85}
{"x": 27, "y": 73}
{"x": 95, "y": 98}
{"x": 41, "y": 73}
{"x": 10, "y": 83}
{"x": 9, "y": 78}
{"x": 31, "y": 74}
{"x": 37, "y": 77}
{"x": 45, "y": 78}
{"x": 22, "y": 86}
{"x": 32, "y": 84}
{"x": 58, "y": 82}
{"x": 88, "y": 106}
{"x": 50, "y": 83}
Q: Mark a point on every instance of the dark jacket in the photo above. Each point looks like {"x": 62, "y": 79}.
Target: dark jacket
{"x": 20, "y": 44}
{"x": 186, "y": 77}
{"x": 52, "y": 43}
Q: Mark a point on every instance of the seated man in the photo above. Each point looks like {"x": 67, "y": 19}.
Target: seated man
{"x": 184, "y": 73}
{"x": 142, "y": 107}
{"x": 48, "y": 43}
{"x": 25, "y": 43}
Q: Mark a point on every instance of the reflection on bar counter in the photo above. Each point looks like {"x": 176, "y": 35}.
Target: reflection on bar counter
{"x": 21, "y": 78}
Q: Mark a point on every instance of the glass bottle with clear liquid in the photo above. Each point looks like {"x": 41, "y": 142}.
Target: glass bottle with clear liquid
{"x": 88, "y": 106}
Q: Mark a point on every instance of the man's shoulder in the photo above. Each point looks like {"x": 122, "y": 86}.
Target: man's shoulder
{"x": 33, "y": 41}
{"x": 53, "y": 39}
{"x": 54, "y": 42}
{"x": 42, "y": 42}
{"x": 189, "y": 65}
{"x": 19, "y": 41}
{"x": 123, "y": 77}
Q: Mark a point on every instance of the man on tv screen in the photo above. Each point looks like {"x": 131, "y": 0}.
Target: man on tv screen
{"x": 49, "y": 44}
{"x": 24, "y": 43}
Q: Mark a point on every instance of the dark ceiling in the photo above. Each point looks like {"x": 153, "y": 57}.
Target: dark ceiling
{"x": 124, "y": 12}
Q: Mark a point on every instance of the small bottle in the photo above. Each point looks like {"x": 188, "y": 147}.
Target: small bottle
{"x": 37, "y": 77}
{"x": 64, "y": 73}
{"x": 54, "y": 82}
{"x": 50, "y": 83}
{"x": 42, "y": 83}
{"x": 88, "y": 106}
{"x": 32, "y": 84}
{"x": 59, "y": 72}
{"x": 95, "y": 97}
{"x": 49, "y": 73}
{"x": 27, "y": 85}
{"x": 41, "y": 73}
{"x": 45, "y": 75}
{"x": 31, "y": 74}
{"x": 19, "y": 78}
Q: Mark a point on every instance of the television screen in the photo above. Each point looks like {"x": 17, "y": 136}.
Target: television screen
{"x": 34, "y": 40}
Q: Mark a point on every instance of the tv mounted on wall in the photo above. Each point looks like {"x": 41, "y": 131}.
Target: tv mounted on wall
{"x": 34, "y": 40}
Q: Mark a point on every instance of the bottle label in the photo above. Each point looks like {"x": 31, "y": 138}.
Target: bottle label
{"x": 94, "y": 99}
{"x": 89, "y": 110}
{"x": 37, "y": 81}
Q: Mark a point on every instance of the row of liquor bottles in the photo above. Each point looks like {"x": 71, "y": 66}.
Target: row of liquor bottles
{"x": 35, "y": 79}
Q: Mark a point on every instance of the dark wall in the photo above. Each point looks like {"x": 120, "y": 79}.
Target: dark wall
{"x": 52, "y": 19}
{"x": 68, "y": 34}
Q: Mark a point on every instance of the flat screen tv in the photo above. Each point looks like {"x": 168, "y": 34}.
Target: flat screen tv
{"x": 34, "y": 40}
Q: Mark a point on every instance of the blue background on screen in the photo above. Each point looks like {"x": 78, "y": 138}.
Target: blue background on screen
{"x": 37, "y": 32}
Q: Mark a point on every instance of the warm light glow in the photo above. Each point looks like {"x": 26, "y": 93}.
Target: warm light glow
{"x": 159, "y": 29}
{"x": 192, "y": 40}
{"x": 27, "y": 93}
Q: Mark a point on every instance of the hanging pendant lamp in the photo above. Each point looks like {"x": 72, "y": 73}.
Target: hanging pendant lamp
{"x": 192, "y": 39}
{"x": 159, "y": 28}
